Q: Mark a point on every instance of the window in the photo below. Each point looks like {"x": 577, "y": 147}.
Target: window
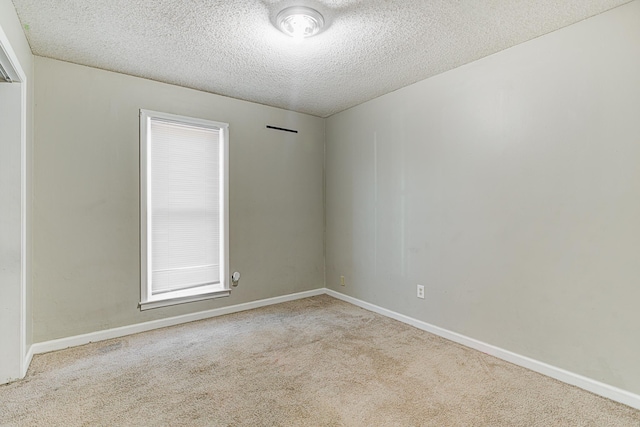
{"x": 183, "y": 209}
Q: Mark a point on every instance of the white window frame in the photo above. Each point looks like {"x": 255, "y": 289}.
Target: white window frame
{"x": 147, "y": 299}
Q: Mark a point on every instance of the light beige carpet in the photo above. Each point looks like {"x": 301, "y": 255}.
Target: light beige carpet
{"x": 313, "y": 362}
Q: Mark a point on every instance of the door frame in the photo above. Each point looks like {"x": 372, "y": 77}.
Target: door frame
{"x": 12, "y": 65}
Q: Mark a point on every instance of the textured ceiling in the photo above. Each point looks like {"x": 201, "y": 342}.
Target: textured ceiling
{"x": 230, "y": 47}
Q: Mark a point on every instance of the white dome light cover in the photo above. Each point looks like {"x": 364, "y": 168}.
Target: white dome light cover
{"x": 300, "y": 21}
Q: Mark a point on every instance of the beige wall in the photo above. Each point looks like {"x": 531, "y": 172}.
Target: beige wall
{"x": 86, "y": 260}
{"x": 509, "y": 188}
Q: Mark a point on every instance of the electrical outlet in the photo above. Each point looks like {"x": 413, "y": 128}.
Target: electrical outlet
{"x": 341, "y": 280}
{"x": 421, "y": 291}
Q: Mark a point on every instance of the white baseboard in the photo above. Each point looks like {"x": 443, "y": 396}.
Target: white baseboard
{"x": 62, "y": 343}
{"x": 596, "y": 387}
{"x": 27, "y": 361}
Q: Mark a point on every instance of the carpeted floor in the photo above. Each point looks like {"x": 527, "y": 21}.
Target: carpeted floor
{"x": 313, "y": 362}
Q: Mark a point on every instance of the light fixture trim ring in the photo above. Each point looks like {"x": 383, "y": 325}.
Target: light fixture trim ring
{"x": 299, "y": 21}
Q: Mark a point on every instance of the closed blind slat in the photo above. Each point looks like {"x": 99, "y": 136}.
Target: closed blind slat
{"x": 185, "y": 206}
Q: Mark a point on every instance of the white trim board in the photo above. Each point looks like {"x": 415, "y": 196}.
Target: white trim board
{"x": 9, "y": 53}
{"x": 27, "y": 359}
{"x": 62, "y": 343}
{"x": 591, "y": 385}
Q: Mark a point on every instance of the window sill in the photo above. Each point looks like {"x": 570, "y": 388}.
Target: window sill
{"x": 156, "y": 303}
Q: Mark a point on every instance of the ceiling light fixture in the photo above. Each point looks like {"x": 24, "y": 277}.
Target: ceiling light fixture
{"x": 300, "y": 21}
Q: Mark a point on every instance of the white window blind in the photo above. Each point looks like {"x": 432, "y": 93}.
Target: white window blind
{"x": 185, "y": 206}
{"x": 184, "y": 212}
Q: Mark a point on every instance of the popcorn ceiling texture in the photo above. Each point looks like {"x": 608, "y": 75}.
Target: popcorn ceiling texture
{"x": 371, "y": 47}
